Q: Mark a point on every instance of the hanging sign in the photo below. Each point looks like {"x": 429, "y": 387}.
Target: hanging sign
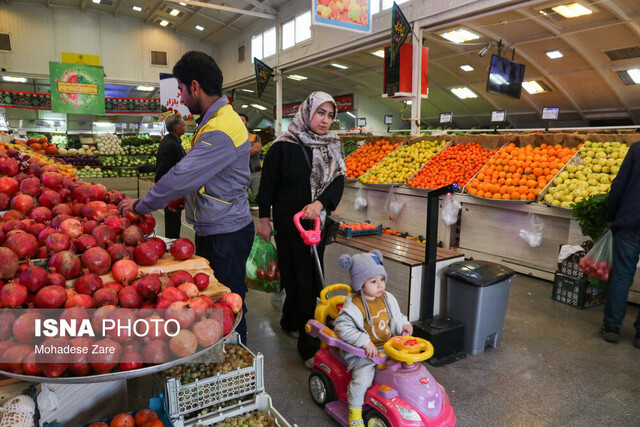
{"x": 446, "y": 118}
{"x": 76, "y": 88}
{"x": 170, "y": 96}
{"x": 400, "y": 30}
{"x": 354, "y": 15}
{"x": 79, "y": 58}
{"x": 550, "y": 113}
{"x": 263, "y": 74}
{"x": 498, "y": 116}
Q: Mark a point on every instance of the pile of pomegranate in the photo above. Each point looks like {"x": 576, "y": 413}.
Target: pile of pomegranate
{"x": 73, "y": 228}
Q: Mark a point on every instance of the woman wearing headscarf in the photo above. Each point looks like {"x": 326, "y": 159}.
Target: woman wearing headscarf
{"x": 303, "y": 170}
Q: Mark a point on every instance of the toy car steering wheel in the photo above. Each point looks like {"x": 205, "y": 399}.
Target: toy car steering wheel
{"x": 408, "y": 349}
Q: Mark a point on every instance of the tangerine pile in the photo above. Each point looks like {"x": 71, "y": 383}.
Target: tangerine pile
{"x": 519, "y": 173}
{"x": 366, "y": 156}
{"x": 356, "y": 226}
{"x": 457, "y": 164}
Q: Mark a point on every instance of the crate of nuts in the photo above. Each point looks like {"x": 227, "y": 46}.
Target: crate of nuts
{"x": 196, "y": 386}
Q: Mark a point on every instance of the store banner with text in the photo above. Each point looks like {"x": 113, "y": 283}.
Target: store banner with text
{"x": 354, "y": 15}
{"x": 76, "y": 88}
{"x": 400, "y": 30}
{"x": 170, "y": 96}
{"x": 263, "y": 74}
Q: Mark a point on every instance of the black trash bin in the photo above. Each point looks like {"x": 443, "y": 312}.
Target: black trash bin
{"x": 477, "y": 295}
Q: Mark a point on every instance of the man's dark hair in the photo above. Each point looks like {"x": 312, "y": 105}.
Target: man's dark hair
{"x": 172, "y": 122}
{"x": 202, "y": 68}
{"x": 245, "y": 116}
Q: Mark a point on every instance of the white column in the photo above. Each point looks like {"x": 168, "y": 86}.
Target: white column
{"x": 278, "y": 80}
{"x": 416, "y": 80}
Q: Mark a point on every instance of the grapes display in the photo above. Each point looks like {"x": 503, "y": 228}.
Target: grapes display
{"x": 250, "y": 419}
{"x": 235, "y": 357}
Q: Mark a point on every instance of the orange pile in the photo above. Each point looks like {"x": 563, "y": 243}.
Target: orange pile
{"x": 390, "y": 231}
{"x": 519, "y": 173}
{"x": 454, "y": 164}
{"x": 366, "y": 156}
{"x": 356, "y": 226}
{"x": 42, "y": 146}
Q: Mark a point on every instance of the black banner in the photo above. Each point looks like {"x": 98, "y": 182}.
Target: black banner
{"x": 400, "y": 30}
{"x": 263, "y": 74}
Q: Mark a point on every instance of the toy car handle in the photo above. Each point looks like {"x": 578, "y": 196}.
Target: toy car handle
{"x": 326, "y": 334}
{"x": 309, "y": 237}
{"x": 408, "y": 349}
{"x": 331, "y": 288}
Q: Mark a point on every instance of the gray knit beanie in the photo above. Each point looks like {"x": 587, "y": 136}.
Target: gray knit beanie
{"x": 362, "y": 267}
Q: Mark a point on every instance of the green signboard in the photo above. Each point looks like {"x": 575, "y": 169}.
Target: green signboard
{"x": 76, "y": 88}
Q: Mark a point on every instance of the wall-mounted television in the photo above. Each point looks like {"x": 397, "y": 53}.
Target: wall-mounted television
{"x": 505, "y": 77}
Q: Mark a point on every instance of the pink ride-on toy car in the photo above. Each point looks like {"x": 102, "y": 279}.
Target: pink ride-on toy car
{"x": 403, "y": 392}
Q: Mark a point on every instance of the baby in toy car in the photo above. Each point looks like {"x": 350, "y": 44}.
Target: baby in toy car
{"x": 370, "y": 316}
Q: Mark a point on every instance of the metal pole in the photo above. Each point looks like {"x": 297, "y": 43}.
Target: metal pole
{"x": 278, "y": 79}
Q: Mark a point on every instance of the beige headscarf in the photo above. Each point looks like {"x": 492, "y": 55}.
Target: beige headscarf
{"x": 328, "y": 159}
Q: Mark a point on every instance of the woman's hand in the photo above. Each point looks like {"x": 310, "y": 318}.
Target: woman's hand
{"x": 371, "y": 350}
{"x": 264, "y": 229}
{"x": 312, "y": 210}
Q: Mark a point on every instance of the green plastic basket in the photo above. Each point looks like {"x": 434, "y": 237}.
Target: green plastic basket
{"x": 578, "y": 293}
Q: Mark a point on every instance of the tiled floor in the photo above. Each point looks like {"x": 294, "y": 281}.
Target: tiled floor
{"x": 552, "y": 368}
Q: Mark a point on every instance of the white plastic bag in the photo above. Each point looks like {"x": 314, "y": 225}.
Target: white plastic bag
{"x": 532, "y": 234}
{"x": 47, "y": 400}
{"x": 360, "y": 201}
{"x": 392, "y": 205}
{"x": 450, "y": 209}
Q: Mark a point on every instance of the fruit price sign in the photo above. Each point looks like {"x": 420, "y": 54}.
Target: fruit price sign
{"x": 76, "y": 88}
{"x": 354, "y": 15}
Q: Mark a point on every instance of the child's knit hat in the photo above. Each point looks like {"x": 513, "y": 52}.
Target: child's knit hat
{"x": 362, "y": 267}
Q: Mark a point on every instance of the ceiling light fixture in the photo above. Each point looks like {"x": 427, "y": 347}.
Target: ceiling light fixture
{"x": 554, "y": 54}
{"x": 634, "y": 73}
{"x": 338, "y": 66}
{"x": 244, "y": 106}
{"x": 296, "y": 77}
{"x": 467, "y": 67}
{"x": 96, "y": 1}
{"x": 199, "y": 27}
{"x": 378, "y": 53}
{"x": 533, "y": 87}
{"x": 182, "y": 3}
{"x": 164, "y": 23}
{"x": 137, "y": 8}
{"x": 146, "y": 88}
{"x": 484, "y": 50}
{"x": 174, "y": 12}
{"x": 463, "y": 93}
{"x": 350, "y": 114}
{"x": 460, "y": 35}
{"x": 14, "y": 79}
{"x": 258, "y": 106}
{"x": 246, "y": 90}
{"x": 572, "y": 10}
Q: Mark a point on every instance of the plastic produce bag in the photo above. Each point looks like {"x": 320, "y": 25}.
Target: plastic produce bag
{"x": 450, "y": 209}
{"x": 361, "y": 200}
{"x": 47, "y": 400}
{"x": 262, "y": 273}
{"x": 533, "y": 233}
{"x": 392, "y": 205}
{"x": 597, "y": 262}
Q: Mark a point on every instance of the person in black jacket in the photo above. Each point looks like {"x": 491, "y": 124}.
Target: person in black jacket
{"x": 170, "y": 152}
{"x": 303, "y": 170}
{"x": 623, "y": 217}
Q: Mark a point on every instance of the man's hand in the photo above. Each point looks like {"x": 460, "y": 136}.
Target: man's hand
{"x": 312, "y": 210}
{"x": 408, "y": 329}
{"x": 176, "y": 205}
{"x": 126, "y": 205}
{"x": 371, "y": 350}
{"x": 264, "y": 229}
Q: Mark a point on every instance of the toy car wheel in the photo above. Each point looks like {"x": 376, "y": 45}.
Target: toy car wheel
{"x": 373, "y": 418}
{"x": 321, "y": 388}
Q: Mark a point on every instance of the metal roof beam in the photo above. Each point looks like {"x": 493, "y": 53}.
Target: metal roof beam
{"x": 116, "y": 8}
{"x": 532, "y": 61}
{"x": 607, "y": 78}
{"x": 261, "y": 6}
{"x": 83, "y": 4}
{"x": 153, "y": 12}
{"x": 200, "y": 12}
{"x": 228, "y": 9}
{"x": 622, "y": 15}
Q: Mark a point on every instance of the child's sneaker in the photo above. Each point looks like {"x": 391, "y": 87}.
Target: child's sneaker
{"x": 611, "y": 333}
{"x": 355, "y": 417}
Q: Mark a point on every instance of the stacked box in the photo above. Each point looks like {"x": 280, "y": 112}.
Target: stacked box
{"x": 577, "y": 292}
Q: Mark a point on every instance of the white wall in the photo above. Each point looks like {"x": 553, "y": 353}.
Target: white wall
{"x": 374, "y": 111}
{"x": 40, "y": 34}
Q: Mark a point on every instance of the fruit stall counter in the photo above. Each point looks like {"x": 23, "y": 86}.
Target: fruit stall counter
{"x": 404, "y": 261}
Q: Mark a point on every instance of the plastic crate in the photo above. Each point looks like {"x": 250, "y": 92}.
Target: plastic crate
{"x": 577, "y": 292}
{"x": 261, "y": 402}
{"x": 155, "y": 403}
{"x": 349, "y": 232}
{"x": 188, "y": 398}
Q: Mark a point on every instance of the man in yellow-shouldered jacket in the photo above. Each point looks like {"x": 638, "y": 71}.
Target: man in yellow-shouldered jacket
{"x": 213, "y": 177}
